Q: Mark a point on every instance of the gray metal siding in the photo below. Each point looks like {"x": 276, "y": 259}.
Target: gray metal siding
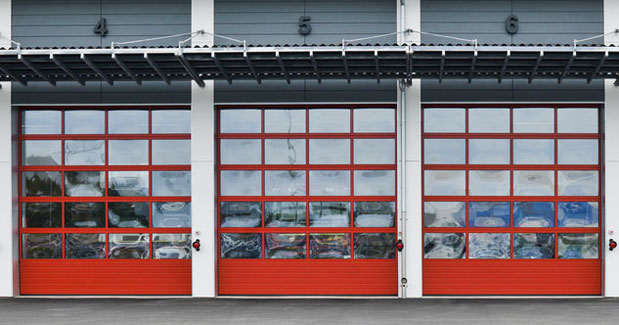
{"x": 540, "y": 21}
{"x": 66, "y": 23}
{"x": 276, "y": 22}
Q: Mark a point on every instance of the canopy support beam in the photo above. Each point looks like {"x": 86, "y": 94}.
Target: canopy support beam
{"x": 567, "y": 67}
{"x": 597, "y": 68}
{"x": 36, "y": 70}
{"x": 315, "y": 66}
{"x": 282, "y": 66}
{"x": 251, "y": 68}
{"x": 155, "y": 67}
{"x": 96, "y": 69}
{"x": 13, "y": 76}
{"x": 194, "y": 75}
{"x": 126, "y": 69}
{"x": 66, "y": 69}
{"x": 536, "y": 66}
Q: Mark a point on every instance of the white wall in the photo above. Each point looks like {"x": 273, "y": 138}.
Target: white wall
{"x": 411, "y": 201}
{"x": 202, "y": 163}
{"x": 8, "y": 226}
{"x": 611, "y": 163}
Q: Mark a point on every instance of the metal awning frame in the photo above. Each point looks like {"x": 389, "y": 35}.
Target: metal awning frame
{"x": 288, "y": 63}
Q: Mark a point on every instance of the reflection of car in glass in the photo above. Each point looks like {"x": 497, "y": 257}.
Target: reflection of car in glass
{"x": 129, "y": 246}
{"x": 534, "y": 214}
{"x": 43, "y": 246}
{"x": 329, "y": 246}
{"x": 85, "y": 214}
{"x": 241, "y": 214}
{"x": 172, "y": 214}
{"x": 578, "y": 246}
{"x": 489, "y": 246}
{"x": 444, "y": 245}
{"x": 374, "y": 214}
{"x": 42, "y": 215}
{"x": 285, "y": 246}
{"x": 241, "y": 245}
{"x": 490, "y": 214}
{"x": 85, "y": 246}
{"x": 374, "y": 246}
{"x": 172, "y": 252}
{"x": 127, "y": 186}
{"x": 128, "y": 214}
{"x": 534, "y": 246}
{"x": 285, "y": 214}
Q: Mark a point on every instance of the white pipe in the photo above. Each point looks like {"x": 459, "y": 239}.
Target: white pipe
{"x": 402, "y": 88}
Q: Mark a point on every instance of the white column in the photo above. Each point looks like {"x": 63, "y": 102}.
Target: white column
{"x": 202, "y": 162}
{"x": 9, "y": 258}
{"x": 611, "y": 163}
{"x": 411, "y": 201}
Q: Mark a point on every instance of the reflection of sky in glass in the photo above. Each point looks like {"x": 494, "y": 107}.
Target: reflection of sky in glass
{"x": 329, "y": 120}
{"x": 489, "y": 182}
{"x": 577, "y": 120}
{"x": 284, "y": 121}
{"x": 127, "y": 122}
{"x": 534, "y": 182}
{"x": 329, "y": 151}
{"x": 374, "y": 151}
{"x": 41, "y": 152}
{"x": 283, "y": 152}
{"x": 171, "y": 183}
{"x": 444, "y": 151}
{"x": 284, "y": 182}
{"x": 448, "y": 120}
{"x": 534, "y": 246}
{"x": 444, "y": 214}
{"x": 489, "y": 214}
{"x": 172, "y": 214}
{"x": 241, "y": 182}
{"x": 329, "y": 182}
{"x": 444, "y": 182}
{"x": 41, "y": 122}
{"x": 374, "y": 120}
{"x": 578, "y": 182}
{"x": 578, "y": 151}
{"x": 578, "y": 214}
{"x": 240, "y": 151}
{"x": 171, "y": 152}
{"x": 84, "y": 122}
{"x": 489, "y": 120}
{"x": 534, "y": 120}
{"x": 374, "y": 182}
{"x": 171, "y": 121}
{"x": 128, "y": 152}
{"x": 534, "y": 214}
{"x": 240, "y": 120}
{"x": 489, "y": 151}
{"x": 84, "y": 152}
{"x": 534, "y": 151}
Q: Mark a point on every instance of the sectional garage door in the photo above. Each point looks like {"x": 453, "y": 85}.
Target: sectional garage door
{"x": 306, "y": 201}
{"x": 105, "y": 201}
{"x": 511, "y": 200}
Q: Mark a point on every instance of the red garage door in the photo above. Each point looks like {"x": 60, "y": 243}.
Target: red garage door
{"x": 511, "y": 200}
{"x": 306, "y": 200}
{"x": 105, "y": 201}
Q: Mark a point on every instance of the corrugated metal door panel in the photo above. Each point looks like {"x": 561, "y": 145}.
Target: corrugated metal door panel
{"x": 105, "y": 277}
{"x": 308, "y": 277}
{"x": 550, "y": 277}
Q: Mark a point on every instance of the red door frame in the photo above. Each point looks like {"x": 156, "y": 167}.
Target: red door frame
{"x": 440, "y": 277}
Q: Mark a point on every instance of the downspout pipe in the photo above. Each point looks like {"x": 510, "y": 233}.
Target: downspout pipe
{"x": 402, "y": 88}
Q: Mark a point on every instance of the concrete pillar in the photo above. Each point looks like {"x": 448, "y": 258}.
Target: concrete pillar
{"x": 611, "y": 160}
{"x": 9, "y": 243}
{"x": 409, "y": 17}
{"x": 202, "y": 162}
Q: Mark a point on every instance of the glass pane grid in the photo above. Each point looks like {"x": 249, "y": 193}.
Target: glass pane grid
{"x": 92, "y": 205}
{"x": 546, "y": 208}
{"x": 294, "y": 196}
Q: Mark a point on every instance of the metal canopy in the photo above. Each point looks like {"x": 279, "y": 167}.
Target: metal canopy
{"x": 288, "y": 63}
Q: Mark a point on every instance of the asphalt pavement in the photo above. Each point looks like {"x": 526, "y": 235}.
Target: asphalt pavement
{"x": 308, "y": 311}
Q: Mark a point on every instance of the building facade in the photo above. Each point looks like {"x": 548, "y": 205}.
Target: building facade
{"x": 457, "y": 184}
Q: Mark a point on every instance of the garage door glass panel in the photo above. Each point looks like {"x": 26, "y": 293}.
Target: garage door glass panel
{"x": 171, "y": 183}
{"x": 84, "y": 152}
{"x": 489, "y": 182}
{"x": 41, "y": 153}
{"x": 374, "y": 246}
{"x": 444, "y": 245}
{"x": 534, "y": 246}
{"x": 84, "y": 183}
{"x": 578, "y": 182}
{"x": 578, "y": 246}
{"x": 84, "y": 214}
{"x": 444, "y": 182}
{"x": 42, "y": 214}
{"x": 374, "y": 151}
{"x": 329, "y": 120}
{"x": 444, "y": 214}
{"x": 41, "y": 246}
{"x": 241, "y": 245}
{"x": 534, "y": 120}
{"x": 578, "y": 151}
{"x": 240, "y": 214}
{"x": 577, "y": 120}
{"x": 240, "y": 121}
{"x": 284, "y": 183}
{"x": 489, "y": 214}
{"x": 241, "y": 182}
{"x": 128, "y": 152}
{"x": 284, "y": 121}
{"x": 171, "y": 214}
{"x": 282, "y": 152}
{"x": 172, "y": 246}
{"x": 41, "y": 122}
{"x": 85, "y": 246}
{"x": 489, "y": 151}
{"x": 127, "y": 122}
{"x": 329, "y": 182}
{"x": 41, "y": 184}
{"x": 285, "y": 214}
{"x": 329, "y": 214}
{"x": 285, "y": 246}
{"x": 128, "y": 183}
{"x": 171, "y": 121}
{"x": 329, "y": 151}
{"x": 129, "y": 246}
{"x": 329, "y": 246}
{"x": 534, "y": 214}
{"x": 374, "y": 120}
{"x": 534, "y": 151}
{"x": 375, "y": 182}
{"x": 489, "y": 246}
{"x": 128, "y": 215}
{"x": 578, "y": 214}
{"x": 374, "y": 214}
{"x": 534, "y": 183}
{"x": 444, "y": 151}
{"x": 444, "y": 120}
{"x": 171, "y": 152}
{"x": 240, "y": 151}
{"x": 489, "y": 120}
{"x": 84, "y": 122}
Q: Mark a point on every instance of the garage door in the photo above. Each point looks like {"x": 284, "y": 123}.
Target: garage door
{"x": 511, "y": 200}
{"x": 306, "y": 201}
{"x": 105, "y": 201}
